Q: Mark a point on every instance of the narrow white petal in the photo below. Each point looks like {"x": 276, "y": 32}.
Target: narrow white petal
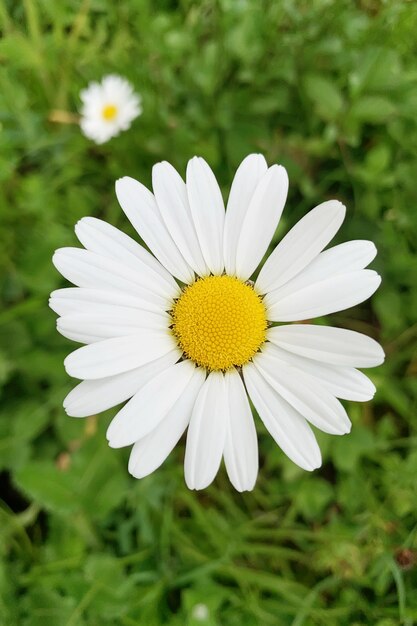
{"x": 330, "y": 345}
{"x": 142, "y": 211}
{"x": 301, "y": 390}
{"x": 287, "y": 427}
{"x": 93, "y": 271}
{"x": 94, "y": 396}
{"x": 206, "y": 433}
{"x": 94, "y": 301}
{"x": 241, "y": 445}
{"x": 346, "y": 383}
{"x": 132, "y": 316}
{"x": 342, "y": 259}
{"x": 119, "y": 354}
{"x": 246, "y": 179}
{"x": 150, "y": 405}
{"x": 118, "y": 322}
{"x": 327, "y": 296}
{"x": 346, "y": 257}
{"x": 102, "y": 238}
{"x": 261, "y": 220}
{"x": 301, "y": 245}
{"x": 77, "y": 335}
{"x": 151, "y": 451}
{"x": 171, "y": 196}
{"x": 207, "y": 210}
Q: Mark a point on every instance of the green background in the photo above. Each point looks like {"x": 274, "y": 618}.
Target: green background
{"x": 329, "y": 89}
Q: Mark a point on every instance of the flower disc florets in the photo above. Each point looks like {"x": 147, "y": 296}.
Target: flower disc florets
{"x": 219, "y": 322}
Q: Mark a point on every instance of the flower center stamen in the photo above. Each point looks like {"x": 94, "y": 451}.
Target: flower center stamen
{"x": 219, "y": 322}
{"x": 109, "y": 112}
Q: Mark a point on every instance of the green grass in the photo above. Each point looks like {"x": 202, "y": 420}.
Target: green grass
{"x": 329, "y": 89}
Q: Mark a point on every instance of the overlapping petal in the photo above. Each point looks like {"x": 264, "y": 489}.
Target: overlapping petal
{"x": 245, "y": 182}
{"x": 113, "y": 322}
{"x": 106, "y": 240}
{"x": 95, "y": 301}
{"x": 94, "y": 396}
{"x": 241, "y": 444}
{"x": 207, "y": 210}
{"x": 299, "y": 389}
{"x": 261, "y": 220}
{"x": 301, "y": 245}
{"x": 336, "y": 346}
{"x": 91, "y": 270}
{"x": 149, "y": 406}
{"x": 151, "y": 451}
{"x": 288, "y": 428}
{"x": 206, "y": 433}
{"x": 346, "y": 383}
{"x": 141, "y": 209}
{"x": 118, "y": 354}
{"x": 322, "y": 297}
{"x": 172, "y": 199}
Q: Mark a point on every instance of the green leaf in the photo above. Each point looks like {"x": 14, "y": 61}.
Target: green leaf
{"x": 325, "y": 96}
{"x": 347, "y": 451}
{"x": 372, "y": 109}
{"x": 43, "y": 482}
{"x": 313, "y": 496}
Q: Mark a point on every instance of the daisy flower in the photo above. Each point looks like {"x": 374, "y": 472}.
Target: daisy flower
{"x": 108, "y": 108}
{"x": 189, "y": 340}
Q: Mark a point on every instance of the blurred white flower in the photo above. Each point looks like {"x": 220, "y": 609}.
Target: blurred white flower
{"x": 200, "y": 612}
{"x": 108, "y": 108}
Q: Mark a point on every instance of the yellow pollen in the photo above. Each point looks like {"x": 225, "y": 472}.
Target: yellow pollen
{"x": 109, "y": 112}
{"x": 219, "y": 322}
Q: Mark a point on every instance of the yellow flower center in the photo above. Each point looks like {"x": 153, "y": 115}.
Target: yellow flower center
{"x": 109, "y": 112}
{"x": 219, "y": 322}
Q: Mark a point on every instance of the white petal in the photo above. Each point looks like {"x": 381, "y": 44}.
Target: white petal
{"x": 94, "y": 396}
{"x": 331, "y": 345}
{"x": 301, "y": 245}
{"x": 346, "y": 257}
{"x": 300, "y": 390}
{"x": 142, "y": 211}
{"x": 288, "y": 428}
{"x": 346, "y": 383}
{"x": 131, "y": 316}
{"x": 171, "y": 196}
{"x": 88, "y": 269}
{"x": 261, "y": 220}
{"x": 78, "y": 336}
{"x": 151, "y": 451}
{"x": 150, "y": 405}
{"x": 327, "y": 296}
{"x": 92, "y": 301}
{"x": 115, "y": 322}
{"x": 102, "y": 238}
{"x": 241, "y": 445}
{"x": 206, "y": 433}
{"x": 119, "y": 354}
{"x": 207, "y": 210}
{"x": 342, "y": 259}
{"x": 246, "y": 179}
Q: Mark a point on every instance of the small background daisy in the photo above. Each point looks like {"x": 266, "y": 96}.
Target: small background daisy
{"x": 327, "y": 88}
{"x": 108, "y": 108}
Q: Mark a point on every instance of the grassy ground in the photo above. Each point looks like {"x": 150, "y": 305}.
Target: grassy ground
{"x": 329, "y": 89}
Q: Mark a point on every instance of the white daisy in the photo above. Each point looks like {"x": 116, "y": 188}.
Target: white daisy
{"x": 108, "y": 108}
{"x": 190, "y": 339}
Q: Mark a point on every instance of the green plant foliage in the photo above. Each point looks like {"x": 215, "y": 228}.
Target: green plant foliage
{"x": 329, "y": 89}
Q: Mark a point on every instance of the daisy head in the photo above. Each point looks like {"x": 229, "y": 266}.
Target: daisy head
{"x": 108, "y": 108}
{"x": 190, "y": 340}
